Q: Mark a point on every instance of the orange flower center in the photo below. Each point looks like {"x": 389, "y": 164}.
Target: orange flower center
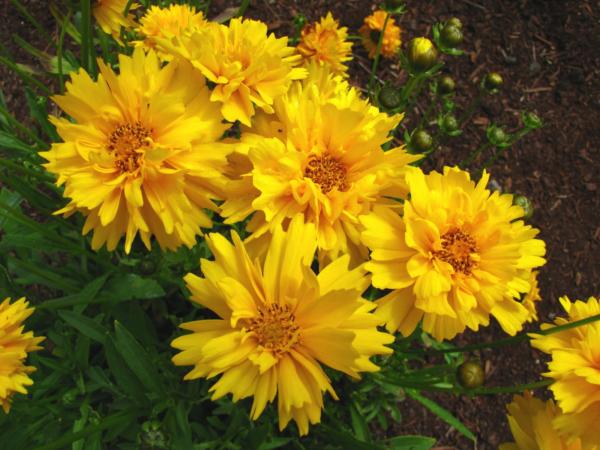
{"x": 327, "y": 172}
{"x": 457, "y": 248}
{"x": 275, "y": 328}
{"x": 125, "y": 143}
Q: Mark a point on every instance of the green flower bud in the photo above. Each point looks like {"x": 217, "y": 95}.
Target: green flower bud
{"x": 421, "y": 140}
{"x": 470, "y": 374}
{"x": 451, "y": 36}
{"x": 532, "y": 120}
{"x": 152, "y": 437}
{"x": 455, "y": 22}
{"x": 422, "y": 54}
{"x": 389, "y": 97}
{"x": 300, "y": 21}
{"x": 450, "y": 123}
{"x": 493, "y": 81}
{"x": 496, "y": 135}
{"x": 525, "y": 203}
{"x": 446, "y": 85}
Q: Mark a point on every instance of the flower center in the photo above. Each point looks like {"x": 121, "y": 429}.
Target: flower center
{"x": 457, "y": 247}
{"x": 275, "y": 328}
{"x": 125, "y": 142}
{"x": 327, "y": 172}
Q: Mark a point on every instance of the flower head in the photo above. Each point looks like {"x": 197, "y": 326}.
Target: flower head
{"x": 14, "y": 347}
{"x": 166, "y": 23}
{"x": 319, "y": 155}
{"x": 142, "y": 156}
{"x": 325, "y": 42}
{"x": 422, "y": 54}
{"x": 110, "y": 15}
{"x": 530, "y": 421}
{"x": 248, "y": 67}
{"x": 277, "y": 323}
{"x": 457, "y": 255}
{"x": 371, "y": 30}
{"x": 575, "y": 367}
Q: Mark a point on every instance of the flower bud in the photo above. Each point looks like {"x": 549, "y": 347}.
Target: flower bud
{"x": 389, "y": 97}
{"x": 496, "y": 135}
{"x": 421, "y": 140}
{"x": 450, "y": 123}
{"x": 422, "y": 54}
{"x": 470, "y": 374}
{"x": 446, "y": 85}
{"x": 525, "y": 204}
{"x": 152, "y": 437}
{"x": 532, "y": 120}
{"x": 455, "y": 22}
{"x": 493, "y": 81}
{"x": 451, "y": 36}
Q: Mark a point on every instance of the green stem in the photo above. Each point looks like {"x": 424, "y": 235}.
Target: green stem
{"x": 500, "y": 151}
{"x": 474, "y": 104}
{"x": 14, "y": 122}
{"x": 377, "y": 55}
{"x": 38, "y": 26}
{"x": 59, "y": 53}
{"x": 86, "y": 36}
{"x": 242, "y": 9}
{"x": 476, "y": 391}
{"x": 466, "y": 162}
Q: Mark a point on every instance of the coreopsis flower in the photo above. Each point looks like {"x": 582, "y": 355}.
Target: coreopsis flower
{"x": 166, "y": 23}
{"x": 142, "y": 156}
{"x": 14, "y": 347}
{"x": 458, "y": 255}
{"x": 532, "y": 297}
{"x": 110, "y": 15}
{"x": 530, "y": 421}
{"x": 371, "y": 30}
{"x": 575, "y": 367}
{"x": 324, "y": 42}
{"x": 249, "y": 68}
{"x": 277, "y": 323}
{"x": 318, "y": 155}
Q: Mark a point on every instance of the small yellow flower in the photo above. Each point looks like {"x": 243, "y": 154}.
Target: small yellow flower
{"x": 457, "y": 255}
{"x": 319, "y": 155}
{"x": 575, "y": 367}
{"x": 142, "y": 154}
{"x": 371, "y": 30}
{"x": 110, "y": 15}
{"x": 532, "y": 297}
{"x": 166, "y": 23}
{"x": 277, "y": 323}
{"x": 530, "y": 421}
{"x": 422, "y": 54}
{"x": 248, "y": 67}
{"x": 325, "y": 42}
{"x": 14, "y": 347}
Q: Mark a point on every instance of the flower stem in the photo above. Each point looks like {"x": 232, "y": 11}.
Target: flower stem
{"x": 377, "y": 54}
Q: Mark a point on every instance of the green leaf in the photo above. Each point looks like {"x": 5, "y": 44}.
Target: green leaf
{"x": 345, "y": 439}
{"x": 85, "y": 325}
{"x": 124, "y": 377}
{"x": 87, "y": 295}
{"x": 10, "y": 142}
{"x": 137, "y": 359}
{"x": 442, "y": 413}
{"x": 411, "y": 443}
{"x": 133, "y": 287}
{"x": 359, "y": 424}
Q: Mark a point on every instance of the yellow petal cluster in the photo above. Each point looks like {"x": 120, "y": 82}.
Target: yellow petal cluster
{"x": 318, "y": 155}
{"x": 575, "y": 367}
{"x": 141, "y": 156}
{"x": 371, "y": 30}
{"x": 530, "y": 421}
{"x": 166, "y": 23}
{"x": 457, "y": 255}
{"x": 324, "y": 42}
{"x": 277, "y": 323}
{"x": 14, "y": 347}
{"x": 532, "y": 297}
{"x": 110, "y": 15}
{"x": 249, "y": 69}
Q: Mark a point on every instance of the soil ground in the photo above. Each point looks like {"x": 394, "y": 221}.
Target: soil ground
{"x": 547, "y": 53}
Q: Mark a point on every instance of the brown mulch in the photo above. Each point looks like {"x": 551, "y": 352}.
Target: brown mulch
{"x": 547, "y": 53}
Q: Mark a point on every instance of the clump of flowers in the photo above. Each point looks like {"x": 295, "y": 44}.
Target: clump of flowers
{"x": 166, "y": 23}
{"x": 277, "y": 323}
{"x": 372, "y": 29}
{"x": 14, "y": 347}
{"x": 110, "y": 15}
{"x": 457, "y": 255}
{"x": 324, "y": 42}
{"x": 142, "y": 156}
{"x": 575, "y": 369}
{"x": 249, "y": 69}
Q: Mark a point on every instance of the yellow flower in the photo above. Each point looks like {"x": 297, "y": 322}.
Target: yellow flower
{"x": 319, "y": 155}
{"x": 277, "y": 323}
{"x": 532, "y": 297}
{"x": 166, "y": 23}
{"x": 14, "y": 346}
{"x": 142, "y": 156}
{"x": 575, "y": 367}
{"x": 458, "y": 255}
{"x": 110, "y": 15}
{"x": 325, "y": 42}
{"x": 249, "y": 68}
{"x": 530, "y": 421}
{"x": 371, "y": 30}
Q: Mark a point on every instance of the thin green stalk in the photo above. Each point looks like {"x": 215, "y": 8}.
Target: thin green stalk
{"x": 476, "y": 391}
{"x": 38, "y": 26}
{"x": 377, "y": 54}
{"x": 24, "y": 75}
{"x": 500, "y": 151}
{"x": 467, "y": 161}
{"x": 15, "y": 123}
{"x": 242, "y": 9}
{"x": 42, "y": 176}
{"x": 59, "y": 53}
{"x": 474, "y": 104}
{"x": 86, "y": 36}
